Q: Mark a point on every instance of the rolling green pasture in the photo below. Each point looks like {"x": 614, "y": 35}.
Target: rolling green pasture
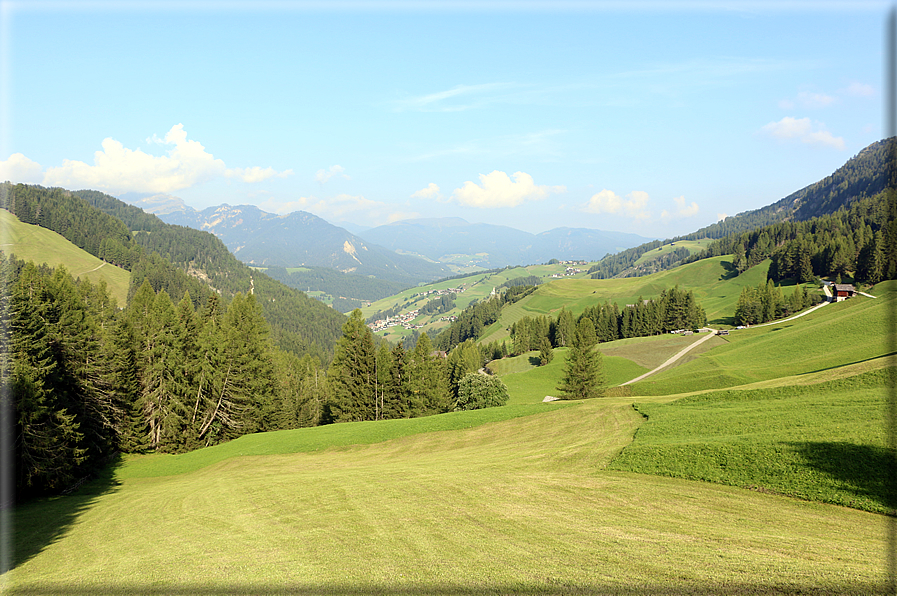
{"x": 34, "y": 243}
{"x": 519, "y": 506}
{"x": 477, "y": 286}
{"x": 712, "y": 280}
{"x": 824, "y": 442}
{"x": 838, "y": 334}
{"x": 693, "y": 246}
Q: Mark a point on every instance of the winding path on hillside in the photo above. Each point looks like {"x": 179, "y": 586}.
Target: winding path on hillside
{"x": 677, "y": 356}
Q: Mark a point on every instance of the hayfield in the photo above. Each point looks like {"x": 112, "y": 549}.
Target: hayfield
{"x": 519, "y": 506}
{"x": 34, "y": 243}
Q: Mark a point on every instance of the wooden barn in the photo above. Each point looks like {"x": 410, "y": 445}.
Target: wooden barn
{"x": 842, "y": 292}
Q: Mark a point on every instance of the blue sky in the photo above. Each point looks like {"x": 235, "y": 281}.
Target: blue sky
{"x": 641, "y": 119}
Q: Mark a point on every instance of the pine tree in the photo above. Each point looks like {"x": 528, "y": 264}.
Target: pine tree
{"x": 428, "y": 381}
{"x": 546, "y": 354}
{"x": 397, "y": 400}
{"x": 351, "y": 374}
{"x": 162, "y": 383}
{"x": 49, "y": 446}
{"x": 584, "y": 371}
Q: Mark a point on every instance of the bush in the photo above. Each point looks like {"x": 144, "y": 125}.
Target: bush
{"x": 478, "y": 391}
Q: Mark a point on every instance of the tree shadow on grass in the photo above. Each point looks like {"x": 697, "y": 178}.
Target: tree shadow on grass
{"x": 868, "y": 471}
{"x": 38, "y": 523}
{"x": 535, "y": 361}
{"x": 731, "y": 271}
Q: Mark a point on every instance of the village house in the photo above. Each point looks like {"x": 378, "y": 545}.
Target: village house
{"x": 843, "y": 292}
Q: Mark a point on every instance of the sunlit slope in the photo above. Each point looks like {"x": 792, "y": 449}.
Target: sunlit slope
{"x": 836, "y": 335}
{"x": 34, "y": 243}
{"x": 477, "y": 286}
{"x": 518, "y": 506}
{"x": 713, "y": 281}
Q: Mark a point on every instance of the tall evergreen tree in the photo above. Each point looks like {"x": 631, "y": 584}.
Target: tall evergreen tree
{"x": 351, "y": 375}
{"x": 584, "y": 371}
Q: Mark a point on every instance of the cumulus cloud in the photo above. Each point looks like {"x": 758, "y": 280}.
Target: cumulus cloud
{"x": 20, "y": 169}
{"x": 497, "y": 189}
{"x": 607, "y": 201}
{"x": 431, "y": 192}
{"x": 118, "y": 169}
{"x": 721, "y": 216}
{"x": 256, "y": 174}
{"x": 335, "y": 170}
{"x": 682, "y": 210}
{"x": 803, "y": 130}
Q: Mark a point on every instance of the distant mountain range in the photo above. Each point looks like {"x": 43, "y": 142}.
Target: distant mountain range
{"x": 451, "y": 240}
{"x": 407, "y": 251}
{"x": 300, "y": 238}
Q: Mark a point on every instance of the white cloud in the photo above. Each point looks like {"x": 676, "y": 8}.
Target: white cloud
{"x": 20, "y": 169}
{"x": 684, "y": 210}
{"x": 607, "y": 201}
{"x": 118, "y": 169}
{"x": 804, "y": 130}
{"x": 857, "y": 89}
{"x": 325, "y": 175}
{"x": 721, "y": 216}
{"x": 256, "y": 174}
{"x": 431, "y": 192}
{"x": 498, "y": 190}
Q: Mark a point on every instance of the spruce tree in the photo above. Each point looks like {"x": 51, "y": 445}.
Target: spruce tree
{"x": 351, "y": 374}
{"x": 546, "y": 354}
{"x": 584, "y": 370}
{"x": 429, "y": 390}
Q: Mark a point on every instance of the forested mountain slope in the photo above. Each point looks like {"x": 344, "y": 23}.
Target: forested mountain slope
{"x": 173, "y": 258}
{"x": 862, "y": 176}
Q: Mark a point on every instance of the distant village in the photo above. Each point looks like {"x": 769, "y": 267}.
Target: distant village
{"x": 405, "y": 319}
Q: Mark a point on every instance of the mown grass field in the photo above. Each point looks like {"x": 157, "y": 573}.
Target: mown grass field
{"x": 823, "y": 442}
{"x": 519, "y": 506}
{"x": 34, "y": 243}
{"x": 835, "y": 335}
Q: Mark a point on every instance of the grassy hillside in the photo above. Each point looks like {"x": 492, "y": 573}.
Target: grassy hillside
{"x": 713, "y": 282}
{"x": 842, "y": 333}
{"x": 825, "y": 442}
{"x": 34, "y": 243}
{"x": 476, "y": 287}
{"x": 693, "y": 246}
{"x": 523, "y": 506}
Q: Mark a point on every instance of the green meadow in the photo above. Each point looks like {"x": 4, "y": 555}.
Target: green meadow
{"x": 751, "y": 466}
{"x": 34, "y": 243}
{"x": 526, "y": 505}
